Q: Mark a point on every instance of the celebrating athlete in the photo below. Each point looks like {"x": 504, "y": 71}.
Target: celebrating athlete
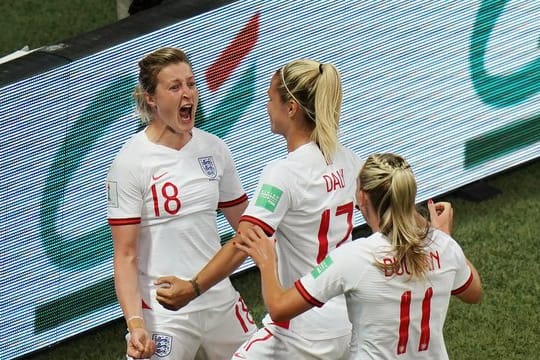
{"x": 397, "y": 282}
{"x": 164, "y": 188}
{"x": 306, "y": 201}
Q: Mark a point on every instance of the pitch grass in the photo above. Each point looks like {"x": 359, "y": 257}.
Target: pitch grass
{"x": 45, "y": 22}
{"x": 499, "y": 235}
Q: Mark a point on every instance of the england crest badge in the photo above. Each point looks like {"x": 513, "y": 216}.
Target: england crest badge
{"x": 163, "y": 344}
{"x": 208, "y": 167}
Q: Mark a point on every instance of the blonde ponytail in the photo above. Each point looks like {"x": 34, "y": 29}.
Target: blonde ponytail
{"x": 316, "y": 87}
{"x": 391, "y": 187}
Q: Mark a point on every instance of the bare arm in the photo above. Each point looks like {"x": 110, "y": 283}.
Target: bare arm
{"x": 125, "y": 269}
{"x": 127, "y": 289}
{"x": 233, "y": 214}
{"x": 442, "y": 216}
{"x": 282, "y": 304}
{"x": 180, "y": 292}
{"x": 473, "y": 293}
{"x": 228, "y": 258}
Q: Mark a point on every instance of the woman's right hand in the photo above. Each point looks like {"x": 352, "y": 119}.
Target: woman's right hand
{"x": 441, "y": 215}
{"x": 140, "y": 345}
{"x": 258, "y": 246}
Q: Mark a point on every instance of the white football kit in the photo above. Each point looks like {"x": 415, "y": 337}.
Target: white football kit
{"x": 174, "y": 196}
{"x": 393, "y": 317}
{"x": 308, "y": 206}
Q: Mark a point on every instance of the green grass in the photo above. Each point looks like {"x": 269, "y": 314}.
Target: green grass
{"x": 37, "y": 23}
{"x": 499, "y": 235}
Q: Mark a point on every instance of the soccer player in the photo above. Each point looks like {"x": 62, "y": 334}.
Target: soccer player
{"x": 164, "y": 188}
{"x": 397, "y": 282}
{"x": 306, "y": 201}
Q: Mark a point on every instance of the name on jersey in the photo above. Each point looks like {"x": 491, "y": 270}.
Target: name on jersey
{"x": 335, "y": 180}
{"x": 433, "y": 260}
{"x": 323, "y": 265}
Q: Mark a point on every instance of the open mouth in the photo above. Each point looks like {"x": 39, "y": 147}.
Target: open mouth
{"x": 185, "y": 113}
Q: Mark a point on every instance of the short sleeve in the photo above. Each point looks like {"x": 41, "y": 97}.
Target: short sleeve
{"x": 271, "y": 200}
{"x": 231, "y": 191}
{"x": 124, "y": 197}
{"x": 464, "y": 275}
{"x": 328, "y": 279}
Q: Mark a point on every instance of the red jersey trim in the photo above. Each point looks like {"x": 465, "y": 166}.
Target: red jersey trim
{"x": 128, "y": 221}
{"x": 226, "y": 204}
{"x": 464, "y": 287}
{"x": 310, "y": 299}
{"x": 145, "y": 305}
{"x": 266, "y": 228}
{"x": 264, "y": 338}
{"x": 282, "y": 324}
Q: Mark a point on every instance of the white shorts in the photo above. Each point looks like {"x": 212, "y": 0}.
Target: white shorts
{"x": 212, "y": 334}
{"x": 276, "y": 342}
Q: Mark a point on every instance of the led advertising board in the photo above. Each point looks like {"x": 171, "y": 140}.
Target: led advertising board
{"x": 452, "y": 86}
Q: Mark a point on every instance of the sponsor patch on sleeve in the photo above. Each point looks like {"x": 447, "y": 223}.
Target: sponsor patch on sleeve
{"x": 325, "y": 264}
{"x": 268, "y": 197}
{"x": 112, "y": 194}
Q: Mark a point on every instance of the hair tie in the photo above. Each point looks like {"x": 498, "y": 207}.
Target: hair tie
{"x": 320, "y": 68}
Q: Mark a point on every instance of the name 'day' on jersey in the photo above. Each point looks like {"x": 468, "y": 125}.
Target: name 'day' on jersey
{"x": 335, "y": 180}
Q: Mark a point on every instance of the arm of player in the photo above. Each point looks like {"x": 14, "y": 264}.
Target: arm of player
{"x": 233, "y": 214}
{"x": 178, "y": 292}
{"x": 282, "y": 304}
{"x": 473, "y": 292}
{"x": 140, "y": 344}
{"x": 442, "y": 216}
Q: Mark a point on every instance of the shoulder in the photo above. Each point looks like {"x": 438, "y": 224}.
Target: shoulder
{"x": 208, "y": 143}
{"x": 444, "y": 242}
{"x": 347, "y": 155}
{"x": 363, "y": 248}
{"x": 304, "y": 160}
{"x": 206, "y": 137}
{"x": 133, "y": 148}
{"x": 440, "y": 238}
{"x": 276, "y": 167}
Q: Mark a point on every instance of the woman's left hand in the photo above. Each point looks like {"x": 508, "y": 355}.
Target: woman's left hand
{"x": 256, "y": 244}
{"x": 174, "y": 293}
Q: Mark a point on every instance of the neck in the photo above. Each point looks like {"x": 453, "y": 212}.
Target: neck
{"x": 370, "y": 215}
{"x": 297, "y": 139}
{"x": 164, "y": 135}
{"x": 373, "y": 222}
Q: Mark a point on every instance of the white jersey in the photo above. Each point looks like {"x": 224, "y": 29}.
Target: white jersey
{"x": 174, "y": 195}
{"x": 308, "y": 205}
{"x": 393, "y": 317}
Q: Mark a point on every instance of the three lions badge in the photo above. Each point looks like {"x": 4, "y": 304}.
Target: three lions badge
{"x": 207, "y": 166}
{"x": 163, "y": 344}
